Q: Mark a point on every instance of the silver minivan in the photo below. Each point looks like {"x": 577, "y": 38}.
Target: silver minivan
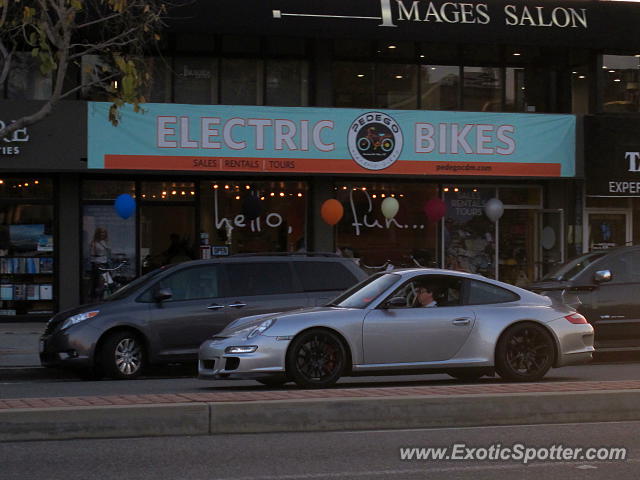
{"x": 164, "y": 316}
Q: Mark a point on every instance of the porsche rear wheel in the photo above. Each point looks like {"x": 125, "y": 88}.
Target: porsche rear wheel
{"x": 525, "y": 353}
{"x": 316, "y": 359}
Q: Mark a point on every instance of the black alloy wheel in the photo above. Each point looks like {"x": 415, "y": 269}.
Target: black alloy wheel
{"x": 316, "y": 359}
{"x": 525, "y": 353}
{"x": 122, "y": 355}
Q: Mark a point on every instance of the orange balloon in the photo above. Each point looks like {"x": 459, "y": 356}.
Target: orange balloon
{"x": 331, "y": 211}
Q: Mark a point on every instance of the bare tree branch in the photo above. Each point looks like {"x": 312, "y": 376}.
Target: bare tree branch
{"x": 59, "y": 32}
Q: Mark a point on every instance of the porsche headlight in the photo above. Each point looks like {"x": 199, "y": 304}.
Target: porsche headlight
{"x": 80, "y": 317}
{"x": 260, "y": 329}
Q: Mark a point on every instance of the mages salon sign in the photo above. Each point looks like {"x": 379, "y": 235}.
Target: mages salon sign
{"x": 394, "y": 12}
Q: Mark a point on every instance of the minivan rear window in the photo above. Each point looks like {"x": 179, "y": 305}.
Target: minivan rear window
{"x": 324, "y": 276}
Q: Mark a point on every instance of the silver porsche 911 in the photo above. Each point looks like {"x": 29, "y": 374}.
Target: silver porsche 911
{"x": 405, "y": 321}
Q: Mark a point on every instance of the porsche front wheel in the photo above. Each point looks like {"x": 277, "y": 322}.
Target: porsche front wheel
{"x": 316, "y": 359}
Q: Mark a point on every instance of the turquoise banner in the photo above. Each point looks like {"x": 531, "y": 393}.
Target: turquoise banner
{"x": 332, "y": 140}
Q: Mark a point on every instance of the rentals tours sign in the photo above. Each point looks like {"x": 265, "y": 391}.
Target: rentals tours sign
{"x": 295, "y": 140}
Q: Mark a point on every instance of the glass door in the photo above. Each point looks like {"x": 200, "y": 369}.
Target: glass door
{"x": 551, "y": 244}
{"x": 516, "y": 261}
{"x": 607, "y": 229}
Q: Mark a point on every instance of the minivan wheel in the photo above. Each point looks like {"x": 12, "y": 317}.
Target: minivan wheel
{"x": 316, "y": 359}
{"x": 122, "y": 355}
{"x": 525, "y": 353}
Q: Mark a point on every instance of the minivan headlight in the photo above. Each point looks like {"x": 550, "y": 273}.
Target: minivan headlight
{"x": 259, "y": 330}
{"x": 80, "y": 317}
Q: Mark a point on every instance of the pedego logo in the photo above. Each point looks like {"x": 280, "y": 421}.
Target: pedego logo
{"x": 375, "y": 140}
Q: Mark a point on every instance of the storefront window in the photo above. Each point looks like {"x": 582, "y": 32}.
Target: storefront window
{"x": 26, "y": 247}
{"x": 287, "y": 83}
{"x": 167, "y": 223}
{"x": 26, "y": 188}
{"x": 159, "y": 84}
{"x": 482, "y": 90}
{"x": 106, "y": 190}
{"x": 353, "y": 84}
{"x": 109, "y": 258}
{"x": 621, "y": 83}
{"x": 516, "y": 259}
{"x": 515, "y": 93}
{"x": 25, "y": 80}
{"x": 439, "y": 85}
{"x": 90, "y": 70}
{"x": 109, "y": 251}
{"x": 252, "y": 217}
{"x": 239, "y": 81}
{"x": 469, "y": 236}
{"x": 521, "y": 196}
{"x": 407, "y": 239}
{"x": 168, "y": 192}
{"x": 194, "y": 80}
{"x": 396, "y": 86}
{"x": 167, "y": 235}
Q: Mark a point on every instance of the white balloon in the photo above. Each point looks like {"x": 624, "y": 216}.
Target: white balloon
{"x": 389, "y": 207}
{"x": 494, "y": 209}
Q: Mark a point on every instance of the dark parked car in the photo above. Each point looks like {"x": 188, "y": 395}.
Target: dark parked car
{"x": 164, "y": 316}
{"x": 604, "y": 286}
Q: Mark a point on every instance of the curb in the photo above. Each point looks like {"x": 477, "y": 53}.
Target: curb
{"x": 311, "y": 415}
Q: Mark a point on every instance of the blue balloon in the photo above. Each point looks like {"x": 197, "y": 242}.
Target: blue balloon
{"x": 125, "y": 205}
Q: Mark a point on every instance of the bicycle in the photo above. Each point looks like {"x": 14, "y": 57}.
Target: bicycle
{"x": 110, "y": 281}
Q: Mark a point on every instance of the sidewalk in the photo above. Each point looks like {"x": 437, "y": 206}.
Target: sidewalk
{"x": 262, "y": 411}
{"x": 19, "y": 344}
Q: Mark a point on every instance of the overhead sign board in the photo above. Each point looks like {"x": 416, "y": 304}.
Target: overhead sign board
{"x": 331, "y": 140}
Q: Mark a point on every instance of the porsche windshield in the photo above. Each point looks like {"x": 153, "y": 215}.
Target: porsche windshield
{"x": 365, "y": 292}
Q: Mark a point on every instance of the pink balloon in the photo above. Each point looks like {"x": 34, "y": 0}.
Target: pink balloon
{"x": 435, "y": 209}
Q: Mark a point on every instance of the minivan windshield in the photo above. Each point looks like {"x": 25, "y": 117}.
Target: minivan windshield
{"x": 136, "y": 284}
{"x": 572, "y": 268}
{"x": 362, "y": 294}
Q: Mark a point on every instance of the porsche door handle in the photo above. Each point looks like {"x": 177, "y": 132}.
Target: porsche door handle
{"x": 215, "y": 306}
{"x": 238, "y": 305}
{"x": 462, "y": 321}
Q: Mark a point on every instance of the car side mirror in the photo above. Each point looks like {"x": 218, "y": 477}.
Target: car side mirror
{"x": 396, "y": 302}
{"x": 602, "y": 276}
{"x": 162, "y": 294}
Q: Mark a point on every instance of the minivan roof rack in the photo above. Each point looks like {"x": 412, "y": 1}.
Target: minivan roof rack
{"x": 286, "y": 254}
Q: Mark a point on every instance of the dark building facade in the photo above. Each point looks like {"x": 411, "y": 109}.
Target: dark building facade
{"x": 491, "y": 126}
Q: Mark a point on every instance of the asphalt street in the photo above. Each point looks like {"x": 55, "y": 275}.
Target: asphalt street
{"x": 331, "y": 455}
{"x": 182, "y": 381}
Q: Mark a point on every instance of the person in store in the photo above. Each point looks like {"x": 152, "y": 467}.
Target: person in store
{"x": 178, "y": 250}
{"x": 100, "y": 254}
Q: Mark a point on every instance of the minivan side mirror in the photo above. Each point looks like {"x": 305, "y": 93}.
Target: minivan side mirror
{"x": 162, "y": 294}
{"x": 396, "y": 302}
{"x": 602, "y": 276}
